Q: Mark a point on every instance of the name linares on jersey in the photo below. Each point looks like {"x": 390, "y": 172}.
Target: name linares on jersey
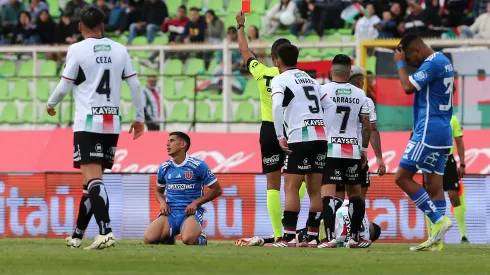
{"x": 304, "y": 81}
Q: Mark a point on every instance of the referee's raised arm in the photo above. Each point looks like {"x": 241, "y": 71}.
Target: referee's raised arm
{"x": 242, "y": 39}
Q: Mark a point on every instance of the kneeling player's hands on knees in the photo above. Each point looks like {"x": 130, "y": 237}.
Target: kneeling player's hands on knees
{"x": 191, "y": 209}
{"x": 51, "y": 111}
{"x": 284, "y": 145}
{"x": 164, "y": 209}
{"x": 138, "y": 127}
{"x": 381, "y": 166}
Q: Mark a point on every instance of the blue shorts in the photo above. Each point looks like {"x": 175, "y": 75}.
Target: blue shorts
{"x": 420, "y": 157}
{"x": 176, "y": 220}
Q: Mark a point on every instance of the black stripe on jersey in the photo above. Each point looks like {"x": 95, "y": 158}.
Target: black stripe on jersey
{"x": 248, "y": 63}
{"x": 80, "y": 77}
{"x": 288, "y": 96}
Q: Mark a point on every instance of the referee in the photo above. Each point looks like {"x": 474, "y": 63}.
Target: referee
{"x": 272, "y": 154}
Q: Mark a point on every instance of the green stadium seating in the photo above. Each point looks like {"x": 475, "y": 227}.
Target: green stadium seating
{"x": 173, "y": 5}
{"x": 258, "y": 6}
{"x": 4, "y": 91}
{"x": 194, "y": 66}
{"x": 272, "y": 3}
{"x": 54, "y": 8}
{"x": 244, "y": 113}
{"x": 161, "y": 40}
{"x": 371, "y": 64}
{"x": 140, "y": 40}
{"x": 148, "y": 71}
{"x": 174, "y": 67}
{"x": 9, "y": 113}
{"x": 43, "y": 90}
{"x": 252, "y": 90}
{"x": 169, "y": 90}
{"x": 230, "y": 20}
{"x": 180, "y": 113}
{"x": 128, "y": 118}
{"x": 311, "y": 51}
{"x": 125, "y": 92}
{"x": 27, "y": 114}
{"x": 234, "y": 6}
{"x": 26, "y": 68}
{"x": 188, "y": 89}
{"x": 21, "y": 90}
{"x": 195, "y": 3}
{"x": 66, "y": 115}
{"x": 331, "y": 52}
{"x": 253, "y": 20}
{"x": 203, "y": 112}
{"x": 218, "y": 112}
{"x": 8, "y": 68}
{"x": 216, "y": 5}
{"x": 49, "y": 68}
{"x": 47, "y": 119}
{"x": 212, "y": 65}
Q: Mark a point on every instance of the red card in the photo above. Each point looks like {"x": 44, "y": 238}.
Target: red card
{"x": 246, "y": 6}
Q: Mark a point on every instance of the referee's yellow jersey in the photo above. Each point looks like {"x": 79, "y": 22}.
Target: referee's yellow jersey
{"x": 263, "y": 75}
{"x": 457, "y": 131}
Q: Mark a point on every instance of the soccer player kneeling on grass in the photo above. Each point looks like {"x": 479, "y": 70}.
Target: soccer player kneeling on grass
{"x": 180, "y": 189}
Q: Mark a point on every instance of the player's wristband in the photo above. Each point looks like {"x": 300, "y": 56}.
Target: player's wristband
{"x": 462, "y": 165}
{"x": 364, "y": 149}
{"x": 400, "y": 64}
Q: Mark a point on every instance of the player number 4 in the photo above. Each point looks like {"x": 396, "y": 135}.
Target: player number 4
{"x": 449, "y": 83}
{"x": 103, "y": 87}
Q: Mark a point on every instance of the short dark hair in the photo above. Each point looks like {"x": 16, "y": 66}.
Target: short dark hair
{"x": 342, "y": 59}
{"x": 377, "y": 232}
{"x": 408, "y": 39}
{"x": 183, "y": 136}
{"x": 277, "y": 44}
{"x": 231, "y": 28}
{"x": 183, "y": 7}
{"x": 91, "y": 16}
{"x": 194, "y": 9}
{"x": 288, "y": 55}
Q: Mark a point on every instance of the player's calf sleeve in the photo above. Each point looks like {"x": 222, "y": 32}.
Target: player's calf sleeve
{"x": 275, "y": 211}
{"x": 313, "y": 224}
{"x": 356, "y": 214}
{"x": 328, "y": 214}
{"x": 459, "y": 215}
{"x": 290, "y": 221}
{"x": 100, "y": 205}
{"x": 84, "y": 214}
{"x": 302, "y": 191}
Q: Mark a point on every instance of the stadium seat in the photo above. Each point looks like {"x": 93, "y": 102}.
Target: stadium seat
{"x": 233, "y": 7}
{"x": 371, "y": 64}
{"x": 68, "y": 113}
{"x": 258, "y": 6}
{"x": 169, "y": 91}
{"x": 161, "y": 40}
{"x": 173, "y": 67}
{"x": 218, "y": 112}
{"x": 26, "y": 68}
{"x": 203, "y": 112}
{"x": 194, "y": 66}
{"x": 138, "y": 41}
{"x": 8, "y": 68}
{"x": 148, "y": 71}
{"x": 331, "y": 52}
{"x": 188, "y": 89}
{"x": 43, "y": 90}
{"x": 126, "y": 92}
{"x": 21, "y": 90}
{"x": 49, "y": 68}
{"x": 4, "y": 91}
{"x": 310, "y": 51}
{"x": 195, "y": 3}
{"x": 180, "y": 113}
{"x": 244, "y": 113}
{"x": 254, "y": 19}
{"x": 212, "y": 65}
{"x": 27, "y": 114}
{"x": 252, "y": 90}
{"x": 216, "y": 5}
{"x": 9, "y": 113}
{"x": 230, "y": 20}
{"x": 54, "y": 8}
{"x": 173, "y": 5}
{"x": 272, "y": 3}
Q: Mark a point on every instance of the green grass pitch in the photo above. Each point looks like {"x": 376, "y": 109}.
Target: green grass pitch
{"x": 40, "y": 256}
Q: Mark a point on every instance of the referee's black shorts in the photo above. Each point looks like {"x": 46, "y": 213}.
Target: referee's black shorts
{"x": 272, "y": 154}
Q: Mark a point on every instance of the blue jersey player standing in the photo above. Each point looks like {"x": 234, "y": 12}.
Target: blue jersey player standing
{"x": 180, "y": 192}
{"x": 432, "y": 84}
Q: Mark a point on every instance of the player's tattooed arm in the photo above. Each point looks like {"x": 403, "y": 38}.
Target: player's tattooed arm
{"x": 366, "y": 130}
{"x": 376, "y": 141}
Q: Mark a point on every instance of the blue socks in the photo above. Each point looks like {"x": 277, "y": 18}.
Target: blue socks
{"x": 424, "y": 203}
{"x": 441, "y": 206}
{"x": 202, "y": 240}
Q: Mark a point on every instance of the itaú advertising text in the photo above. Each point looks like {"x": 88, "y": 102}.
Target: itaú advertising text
{"x": 46, "y": 205}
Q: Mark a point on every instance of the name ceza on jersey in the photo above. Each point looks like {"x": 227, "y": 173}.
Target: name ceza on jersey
{"x": 303, "y": 119}
{"x": 97, "y": 68}
{"x": 344, "y": 140}
{"x": 185, "y": 182}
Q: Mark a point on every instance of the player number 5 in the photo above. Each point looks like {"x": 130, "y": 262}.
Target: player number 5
{"x": 313, "y": 109}
{"x": 449, "y": 82}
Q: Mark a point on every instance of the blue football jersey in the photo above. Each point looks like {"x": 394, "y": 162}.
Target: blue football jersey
{"x": 184, "y": 182}
{"x": 433, "y": 103}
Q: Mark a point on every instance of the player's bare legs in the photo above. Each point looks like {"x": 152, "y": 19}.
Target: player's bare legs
{"x": 292, "y": 183}
{"x": 191, "y": 232}
{"x": 157, "y": 231}
{"x": 364, "y": 191}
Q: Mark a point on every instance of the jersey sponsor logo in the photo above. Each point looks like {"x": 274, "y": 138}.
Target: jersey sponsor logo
{"x": 313, "y": 122}
{"x": 180, "y": 186}
{"x": 342, "y": 140}
{"x": 305, "y": 165}
{"x": 305, "y": 81}
{"x": 274, "y": 159}
{"x": 420, "y": 76}
{"x": 432, "y": 159}
{"x": 343, "y": 91}
{"x": 300, "y": 74}
{"x": 255, "y": 63}
{"x": 178, "y": 176}
{"x": 188, "y": 175}
{"x": 103, "y": 60}
{"x": 347, "y": 100}
{"x": 268, "y": 80}
{"x": 98, "y": 151}
{"x": 320, "y": 160}
{"x": 105, "y": 111}
{"x": 352, "y": 172}
{"x": 102, "y": 48}
{"x": 76, "y": 154}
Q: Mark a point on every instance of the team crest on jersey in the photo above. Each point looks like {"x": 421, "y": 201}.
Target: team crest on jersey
{"x": 102, "y": 48}
{"x": 188, "y": 175}
{"x": 420, "y": 76}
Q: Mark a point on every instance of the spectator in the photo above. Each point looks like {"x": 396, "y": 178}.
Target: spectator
{"x": 454, "y": 12}
{"x": 25, "y": 31}
{"x": 396, "y": 12}
{"x": 215, "y": 28}
{"x": 254, "y": 37}
{"x": 101, "y": 4}
{"x": 72, "y": 9}
{"x": 387, "y": 28}
{"x": 35, "y": 7}
{"x": 152, "y": 108}
{"x": 194, "y": 30}
{"x": 116, "y": 17}
{"x": 479, "y": 29}
{"x": 10, "y": 16}
{"x": 416, "y": 22}
{"x": 46, "y": 29}
{"x": 434, "y": 22}
{"x": 325, "y": 15}
{"x": 154, "y": 13}
{"x": 68, "y": 30}
{"x": 271, "y": 21}
{"x": 365, "y": 27}
{"x": 303, "y": 23}
{"x": 175, "y": 27}
{"x": 133, "y": 15}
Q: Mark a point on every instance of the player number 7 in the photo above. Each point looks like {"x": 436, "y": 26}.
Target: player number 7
{"x": 449, "y": 82}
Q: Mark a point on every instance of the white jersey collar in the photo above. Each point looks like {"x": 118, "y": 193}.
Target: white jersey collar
{"x": 183, "y": 163}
